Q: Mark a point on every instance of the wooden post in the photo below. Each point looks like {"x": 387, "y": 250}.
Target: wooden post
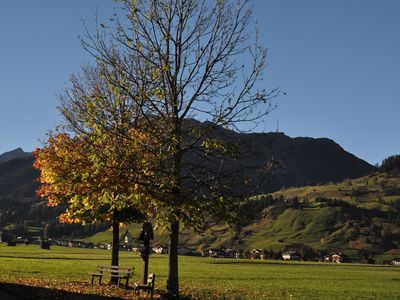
{"x": 146, "y": 235}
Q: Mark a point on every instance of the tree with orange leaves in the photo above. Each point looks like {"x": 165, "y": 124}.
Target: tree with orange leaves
{"x": 95, "y": 181}
{"x": 99, "y": 166}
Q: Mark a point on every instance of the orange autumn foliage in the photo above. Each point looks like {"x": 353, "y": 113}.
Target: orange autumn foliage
{"x": 94, "y": 175}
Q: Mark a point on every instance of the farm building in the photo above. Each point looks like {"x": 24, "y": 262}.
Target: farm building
{"x": 216, "y": 253}
{"x": 335, "y": 257}
{"x": 256, "y": 253}
{"x": 126, "y": 238}
{"x": 291, "y": 255}
{"x": 395, "y": 261}
{"x": 159, "y": 249}
{"x": 231, "y": 253}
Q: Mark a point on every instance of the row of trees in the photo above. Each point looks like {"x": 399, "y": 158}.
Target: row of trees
{"x": 127, "y": 149}
{"x": 392, "y": 163}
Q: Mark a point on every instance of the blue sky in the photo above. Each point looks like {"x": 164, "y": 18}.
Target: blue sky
{"x": 338, "y": 62}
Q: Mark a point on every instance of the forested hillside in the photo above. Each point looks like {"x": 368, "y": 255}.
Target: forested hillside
{"x": 297, "y": 161}
{"x": 358, "y": 217}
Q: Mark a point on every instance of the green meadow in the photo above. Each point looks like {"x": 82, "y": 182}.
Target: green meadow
{"x": 201, "y": 278}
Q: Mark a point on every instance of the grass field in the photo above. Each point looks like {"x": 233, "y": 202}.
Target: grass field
{"x": 200, "y": 278}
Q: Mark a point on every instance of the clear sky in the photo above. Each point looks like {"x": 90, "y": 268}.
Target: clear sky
{"x": 338, "y": 61}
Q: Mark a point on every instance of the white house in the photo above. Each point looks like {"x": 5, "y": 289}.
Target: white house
{"x": 256, "y": 253}
{"x": 159, "y": 249}
{"x": 335, "y": 257}
{"x": 291, "y": 255}
{"x": 126, "y": 238}
{"x": 395, "y": 261}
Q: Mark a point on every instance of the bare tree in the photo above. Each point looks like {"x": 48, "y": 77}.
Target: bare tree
{"x": 180, "y": 60}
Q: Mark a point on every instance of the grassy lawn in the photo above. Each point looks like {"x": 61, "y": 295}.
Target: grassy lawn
{"x": 201, "y": 278}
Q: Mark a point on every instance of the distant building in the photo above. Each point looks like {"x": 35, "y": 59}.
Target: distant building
{"x": 335, "y": 257}
{"x": 395, "y": 261}
{"x": 4, "y": 236}
{"x": 215, "y": 252}
{"x": 291, "y": 255}
{"x": 394, "y": 251}
{"x": 126, "y": 238}
{"x": 159, "y": 249}
{"x": 256, "y": 253}
{"x": 73, "y": 244}
{"x": 231, "y": 253}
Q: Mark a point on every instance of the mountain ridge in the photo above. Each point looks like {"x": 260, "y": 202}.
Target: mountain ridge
{"x": 300, "y": 161}
{"x": 13, "y": 154}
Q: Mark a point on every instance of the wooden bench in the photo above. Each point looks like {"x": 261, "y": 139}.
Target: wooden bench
{"x": 148, "y": 287}
{"x": 115, "y": 272}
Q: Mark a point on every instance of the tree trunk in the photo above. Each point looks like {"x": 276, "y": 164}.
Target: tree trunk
{"x": 172, "y": 280}
{"x": 115, "y": 244}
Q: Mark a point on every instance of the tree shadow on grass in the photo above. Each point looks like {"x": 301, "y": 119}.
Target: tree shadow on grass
{"x": 45, "y": 293}
{"x": 55, "y": 258}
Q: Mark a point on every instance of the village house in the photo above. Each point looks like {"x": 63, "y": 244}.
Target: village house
{"x": 216, "y": 253}
{"x": 126, "y": 238}
{"x": 335, "y": 257}
{"x": 231, "y": 253}
{"x": 256, "y": 253}
{"x": 291, "y": 255}
{"x": 73, "y": 244}
{"x": 159, "y": 249}
{"x": 62, "y": 243}
{"x": 395, "y": 261}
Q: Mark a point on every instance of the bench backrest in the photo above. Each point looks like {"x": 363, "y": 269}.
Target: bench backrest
{"x": 151, "y": 280}
{"x": 115, "y": 269}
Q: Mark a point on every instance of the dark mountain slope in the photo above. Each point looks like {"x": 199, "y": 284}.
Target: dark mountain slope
{"x": 16, "y": 153}
{"x": 300, "y": 160}
{"x": 18, "y": 178}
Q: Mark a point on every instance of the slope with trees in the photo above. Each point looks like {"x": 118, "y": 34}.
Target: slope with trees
{"x": 20, "y": 208}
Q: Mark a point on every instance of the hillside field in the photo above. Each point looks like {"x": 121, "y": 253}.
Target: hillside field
{"x": 62, "y": 273}
{"x": 359, "y": 217}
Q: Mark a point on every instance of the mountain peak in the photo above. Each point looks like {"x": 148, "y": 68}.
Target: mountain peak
{"x": 16, "y": 153}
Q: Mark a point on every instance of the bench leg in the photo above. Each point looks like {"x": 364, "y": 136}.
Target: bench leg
{"x": 100, "y": 277}
{"x": 126, "y": 282}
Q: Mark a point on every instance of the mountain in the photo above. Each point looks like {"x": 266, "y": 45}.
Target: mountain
{"x": 18, "y": 178}
{"x": 298, "y": 161}
{"x": 16, "y": 153}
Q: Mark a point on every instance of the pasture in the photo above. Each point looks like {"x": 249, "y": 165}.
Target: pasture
{"x": 62, "y": 273}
